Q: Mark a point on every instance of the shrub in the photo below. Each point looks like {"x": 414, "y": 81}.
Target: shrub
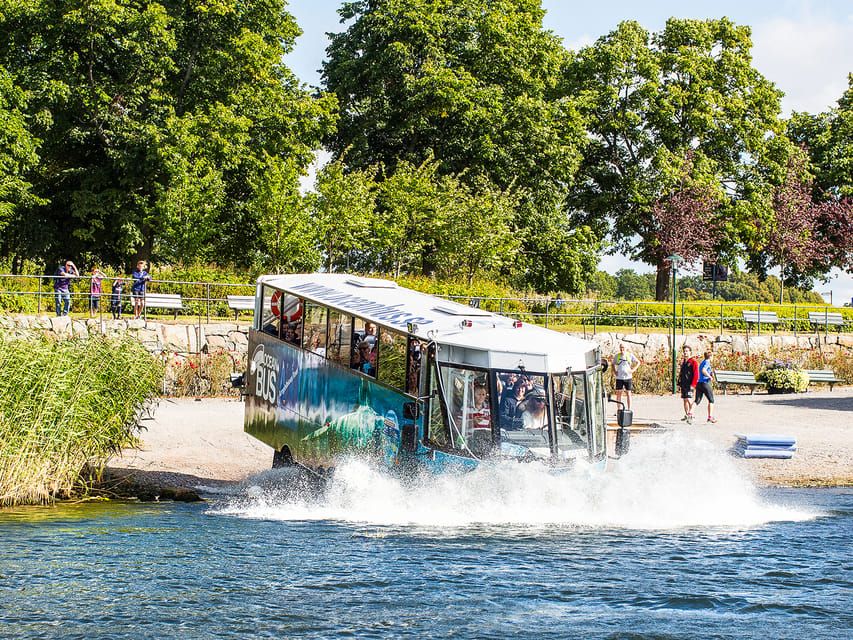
{"x": 784, "y": 376}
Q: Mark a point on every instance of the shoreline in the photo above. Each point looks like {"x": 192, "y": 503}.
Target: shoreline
{"x": 189, "y": 444}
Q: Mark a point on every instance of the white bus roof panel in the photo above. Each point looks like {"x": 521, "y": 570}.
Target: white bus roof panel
{"x": 430, "y": 318}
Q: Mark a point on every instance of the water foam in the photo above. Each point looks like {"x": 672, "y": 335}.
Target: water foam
{"x": 669, "y": 481}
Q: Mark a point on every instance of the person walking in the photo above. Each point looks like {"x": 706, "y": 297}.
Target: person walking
{"x": 703, "y": 385}
{"x": 625, "y": 364}
{"x": 688, "y": 376}
{"x": 62, "y": 287}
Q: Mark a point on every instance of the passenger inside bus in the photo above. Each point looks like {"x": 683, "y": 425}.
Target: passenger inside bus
{"x": 510, "y": 400}
{"x": 479, "y": 415}
{"x": 364, "y": 359}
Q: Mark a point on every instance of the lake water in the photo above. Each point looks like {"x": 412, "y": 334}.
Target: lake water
{"x": 673, "y": 543}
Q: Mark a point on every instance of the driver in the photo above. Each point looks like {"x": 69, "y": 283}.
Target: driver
{"x": 532, "y": 409}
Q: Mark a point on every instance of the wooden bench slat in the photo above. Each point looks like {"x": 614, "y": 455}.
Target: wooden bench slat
{"x": 764, "y": 317}
{"x": 823, "y": 375}
{"x": 820, "y": 317}
{"x": 743, "y": 378}
{"x": 171, "y": 301}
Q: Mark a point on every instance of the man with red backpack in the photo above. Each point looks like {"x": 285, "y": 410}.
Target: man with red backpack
{"x": 688, "y": 376}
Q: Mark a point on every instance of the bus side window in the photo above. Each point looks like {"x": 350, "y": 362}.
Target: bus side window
{"x": 413, "y": 367}
{"x": 269, "y": 321}
{"x": 391, "y": 358}
{"x": 315, "y": 328}
{"x": 363, "y": 356}
{"x": 340, "y": 334}
{"x": 436, "y": 428}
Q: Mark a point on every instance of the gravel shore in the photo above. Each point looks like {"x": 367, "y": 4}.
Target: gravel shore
{"x": 191, "y": 443}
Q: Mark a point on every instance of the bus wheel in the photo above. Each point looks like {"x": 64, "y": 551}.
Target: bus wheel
{"x": 282, "y": 458}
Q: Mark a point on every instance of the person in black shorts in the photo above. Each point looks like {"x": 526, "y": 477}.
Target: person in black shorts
{"x": 703, "y": 385}
{"x": 688, "y": 376}
{"x": 625, "y": 364}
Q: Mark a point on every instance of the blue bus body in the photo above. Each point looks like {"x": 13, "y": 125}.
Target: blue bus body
{"x": 413, "y": 382}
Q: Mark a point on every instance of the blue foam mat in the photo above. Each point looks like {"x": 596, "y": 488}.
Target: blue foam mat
{"x": 766, "y": 439}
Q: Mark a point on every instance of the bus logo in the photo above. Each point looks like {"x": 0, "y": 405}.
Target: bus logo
{"x": 263, "y": 367}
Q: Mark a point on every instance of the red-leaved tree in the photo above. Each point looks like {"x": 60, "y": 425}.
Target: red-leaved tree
{"x": 683, "y": 222}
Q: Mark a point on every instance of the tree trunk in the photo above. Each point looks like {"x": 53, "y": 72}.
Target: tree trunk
{"x": 662, "y": 280}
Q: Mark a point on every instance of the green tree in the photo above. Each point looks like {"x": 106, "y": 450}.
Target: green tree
{"x": 633, "y": 286}
{"x": 342, "y": 208}
{"x": 18, "y": 157}
{"x": 161, "y": 117}
{"x": 828, "y": 138}
{"x": 649, "y": 99}
{"x": 472, "y": 85}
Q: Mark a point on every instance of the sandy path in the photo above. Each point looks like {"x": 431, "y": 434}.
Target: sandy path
{"x": 201, "y": 442}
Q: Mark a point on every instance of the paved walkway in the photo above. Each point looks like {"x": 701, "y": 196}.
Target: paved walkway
{"x": 821, "y": 420}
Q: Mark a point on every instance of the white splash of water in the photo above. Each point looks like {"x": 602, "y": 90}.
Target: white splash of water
{"x": 669, "y": 481}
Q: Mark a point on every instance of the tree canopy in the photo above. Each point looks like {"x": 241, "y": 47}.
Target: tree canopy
{"x": 155, "y": 122}
{"x": 650, "y": 99}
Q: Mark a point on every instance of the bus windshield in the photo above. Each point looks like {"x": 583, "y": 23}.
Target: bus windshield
{"x": 579, "y": 410}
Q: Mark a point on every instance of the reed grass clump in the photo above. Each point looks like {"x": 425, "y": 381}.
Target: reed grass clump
{"x": 67, "y": 406}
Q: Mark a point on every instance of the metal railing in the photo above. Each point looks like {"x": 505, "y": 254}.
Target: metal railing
{"x": 34, "y": 294}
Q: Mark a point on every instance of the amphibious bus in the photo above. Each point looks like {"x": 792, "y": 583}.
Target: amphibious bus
{"x": 341, "y": 365}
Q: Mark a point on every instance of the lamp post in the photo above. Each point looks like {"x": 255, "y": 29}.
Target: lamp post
{"x": 674, "y": 259}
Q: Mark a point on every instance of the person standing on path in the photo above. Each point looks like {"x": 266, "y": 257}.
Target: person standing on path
{"x": 115, "y": 297}
{"x": 703, "y": 385}
{"x": 688, "y": 376}
{"x": 137, "y": 288}
{"x": 62, "y": 287}
{"x": 95, "y": 291}
{"x": 625, "y": 364}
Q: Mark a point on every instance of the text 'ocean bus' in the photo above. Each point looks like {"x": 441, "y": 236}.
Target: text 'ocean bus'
{"x": 341, "y": 365}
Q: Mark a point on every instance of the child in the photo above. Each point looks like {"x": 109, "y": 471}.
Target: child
{"x": 703, "y": 385}
{"x": 115, "y": 297}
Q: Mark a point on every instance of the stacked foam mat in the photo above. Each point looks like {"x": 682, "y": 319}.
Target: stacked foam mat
{"x": 764, "y": 445}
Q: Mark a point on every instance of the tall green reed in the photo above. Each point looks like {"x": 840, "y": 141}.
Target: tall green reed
{"x": 65, "y": 406}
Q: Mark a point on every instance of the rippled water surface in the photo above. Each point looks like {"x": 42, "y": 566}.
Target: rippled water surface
{"x": 663, "y": 547}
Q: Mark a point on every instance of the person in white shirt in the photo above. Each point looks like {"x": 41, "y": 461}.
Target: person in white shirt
{"x": 625, "y": 364}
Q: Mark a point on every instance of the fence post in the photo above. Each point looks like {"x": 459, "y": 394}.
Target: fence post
{"x": 721, "y": 319}
{"x": 207, "y": 285}
{"x": 547, "y": 304}
{"x": 759, "y": 318}
{"x": 595, "y": 317}
{"x": 795, "y": 322}
{"x": 636, "y": 316}
{"x": 39, "y": 302}
{"x": 682, "y": 318}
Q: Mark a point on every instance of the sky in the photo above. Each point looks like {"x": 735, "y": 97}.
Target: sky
{"x": 804, "y": 47}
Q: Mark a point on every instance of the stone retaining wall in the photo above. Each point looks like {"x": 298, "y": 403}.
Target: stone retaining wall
{"x": 157, "y": 337}
{"x": 185, "y": 339}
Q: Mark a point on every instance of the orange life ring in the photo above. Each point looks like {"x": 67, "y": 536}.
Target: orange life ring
{"x": 292, "y": 307}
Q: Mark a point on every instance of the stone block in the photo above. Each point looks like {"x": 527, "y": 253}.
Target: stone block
{"x": 240, "y": 340}
{"x": 60, "y": 324}
{"x": 219, "y": 329}
{"x": 176, "y": 337}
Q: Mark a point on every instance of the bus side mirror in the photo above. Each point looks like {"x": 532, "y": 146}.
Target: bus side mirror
{"x": 624, "y": 417}
{"x": 410, "y": 411}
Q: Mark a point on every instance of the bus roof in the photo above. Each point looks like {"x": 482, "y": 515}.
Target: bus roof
{"x": 504, "y": 343}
